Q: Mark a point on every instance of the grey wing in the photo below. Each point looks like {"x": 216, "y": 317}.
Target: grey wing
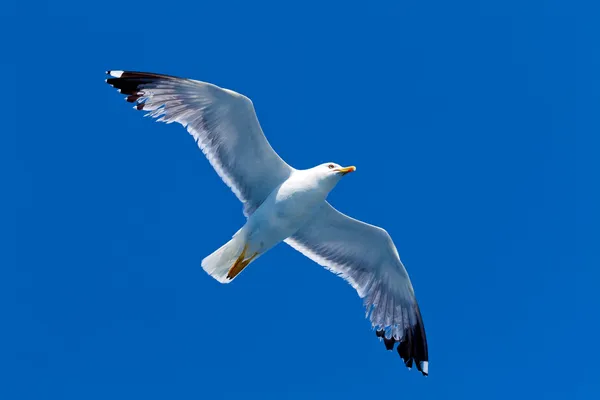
{"x": 223, "y": 123}
{"x": 365, "y": 256}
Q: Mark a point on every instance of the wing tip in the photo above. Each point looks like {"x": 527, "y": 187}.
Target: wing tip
{"x": 130, "y": 84}
{"x": 115, "y": 73}
{"x": 423, "y": 366}
{"x": 412, "y": 346}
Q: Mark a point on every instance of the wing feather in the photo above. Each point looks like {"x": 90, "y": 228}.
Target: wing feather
{"x": 222, "y": 122}
{"x": 365, "y": 256}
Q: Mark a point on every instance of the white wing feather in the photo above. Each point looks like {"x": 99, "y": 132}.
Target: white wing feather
{"x": 223, "y": 123}
{"x": 365, "y": 256}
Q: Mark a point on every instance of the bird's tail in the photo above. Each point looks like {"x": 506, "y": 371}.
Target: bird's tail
{"x": 229, "y": 260}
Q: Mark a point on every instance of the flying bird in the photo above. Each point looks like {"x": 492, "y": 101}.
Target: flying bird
{"x": 284, "y": 204}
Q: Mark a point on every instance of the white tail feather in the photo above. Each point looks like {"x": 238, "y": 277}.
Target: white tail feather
{"x": 218, "y": 263}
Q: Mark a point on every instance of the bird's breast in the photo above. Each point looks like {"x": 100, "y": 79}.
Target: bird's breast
{"x": 292, "y": 210}
{"x": 285, "y": 211}
{"x": 289, "y": 206}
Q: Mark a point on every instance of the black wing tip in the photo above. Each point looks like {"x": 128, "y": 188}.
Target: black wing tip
{"x": 389, "y": 343}
{"x": 121, "y": 74}
{"x": 413, "y": 345}
{"x": 132, "y": 83}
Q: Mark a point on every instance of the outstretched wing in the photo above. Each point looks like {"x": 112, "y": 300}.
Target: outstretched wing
{"x": 366, "y": 257}
{"x": 223, "y": 123}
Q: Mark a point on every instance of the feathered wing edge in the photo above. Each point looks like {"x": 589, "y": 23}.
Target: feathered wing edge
{"x": 412, "y": 340}
{"x": 205, "y": 111}
{"x": 412, "y": 345}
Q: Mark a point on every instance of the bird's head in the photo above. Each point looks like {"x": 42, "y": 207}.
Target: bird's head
{"x": 329, "y": 174}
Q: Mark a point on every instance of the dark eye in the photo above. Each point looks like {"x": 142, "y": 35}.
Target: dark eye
{"x": 330, "y": 166}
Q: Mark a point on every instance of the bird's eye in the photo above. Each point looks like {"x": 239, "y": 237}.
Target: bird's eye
{"x": 330, "y": 166}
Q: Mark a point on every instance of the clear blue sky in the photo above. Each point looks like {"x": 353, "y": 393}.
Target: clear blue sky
{"x": 473, "y": 125}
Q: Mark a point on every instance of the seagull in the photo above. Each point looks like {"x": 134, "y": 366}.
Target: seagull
{"x": 284, "y": 204}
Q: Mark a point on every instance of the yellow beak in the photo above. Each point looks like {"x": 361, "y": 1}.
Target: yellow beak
{"x": 346, "y": 170}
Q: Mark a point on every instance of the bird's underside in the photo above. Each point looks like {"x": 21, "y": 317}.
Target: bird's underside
{"x": 225, "y": 127}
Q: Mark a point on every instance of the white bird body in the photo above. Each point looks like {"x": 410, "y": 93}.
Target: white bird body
{"x": 287, "y": 208}
{"x": 284, "y": 204}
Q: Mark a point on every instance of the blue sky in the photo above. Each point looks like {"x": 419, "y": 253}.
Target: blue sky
{"x": 474, "y": 128}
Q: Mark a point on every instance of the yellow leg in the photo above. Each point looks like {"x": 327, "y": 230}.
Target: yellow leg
{"x": 240, "y": 263}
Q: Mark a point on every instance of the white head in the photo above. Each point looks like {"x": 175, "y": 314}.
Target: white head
{"x": 329, "y": 174}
